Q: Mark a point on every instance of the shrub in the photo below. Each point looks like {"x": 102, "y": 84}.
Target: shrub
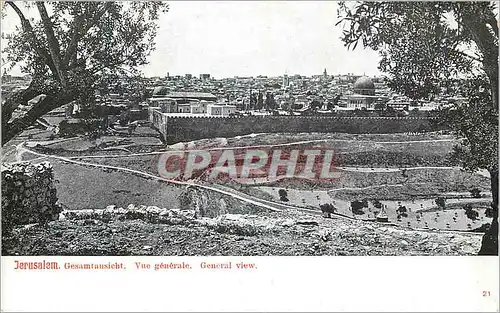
{"x": 441, "y": 202}
{"x": 78, "y": 127}
{"x": 377, "y": 204}
{"x": 283, "y": 195}
{"x": 357, "y": 207}
{"x": 401, "y": 209}
{"x": 327, "y": 208}
{"x": 470, "y": 213}
{"x": 475, "y": 193}
{"x": 240, "y": 227}
{"x": 185, "y": 200}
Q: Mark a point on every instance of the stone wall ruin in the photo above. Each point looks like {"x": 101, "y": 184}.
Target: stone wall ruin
{"x": 28, "y": 194}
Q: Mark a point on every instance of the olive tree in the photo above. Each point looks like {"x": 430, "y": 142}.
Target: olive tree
{"x": 431, "y": 48}
{"x": 69, "y": 47}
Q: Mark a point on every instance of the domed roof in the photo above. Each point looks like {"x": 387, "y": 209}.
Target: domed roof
{"x": 160, "y": 91}
{"x": 365, "y": 86}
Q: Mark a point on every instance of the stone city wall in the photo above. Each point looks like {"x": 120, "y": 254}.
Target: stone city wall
{"x": 191, "y": 128}
{"x": 28, "y": 194}
{"x": 158, "y": 121}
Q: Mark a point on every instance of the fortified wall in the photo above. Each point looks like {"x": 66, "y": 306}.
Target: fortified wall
{"x": 28, "y": 194}
{"x": 175, "y": 129}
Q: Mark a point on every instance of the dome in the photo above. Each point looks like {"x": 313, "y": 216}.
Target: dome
{"x": 364, "y": 86}
{"x": 160, "y": 91}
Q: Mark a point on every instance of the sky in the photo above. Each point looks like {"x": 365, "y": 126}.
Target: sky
{"x": 227, "y": 39}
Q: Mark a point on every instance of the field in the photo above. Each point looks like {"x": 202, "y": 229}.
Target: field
{"x": 409, "y": 170}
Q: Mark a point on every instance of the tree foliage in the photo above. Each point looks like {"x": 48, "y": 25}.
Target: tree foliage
{"x": 424, "y": 45}
{"x": 357, "y": 206}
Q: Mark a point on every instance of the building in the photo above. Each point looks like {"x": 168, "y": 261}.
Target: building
{"x": 286, "y": 81}
{"x": 199, "y": 107}
{"x": 398, "y": 104}
{"x": 220, "y": 109}
{"x": 159, "y": 91}
{"x": 166, "y": 105}
{"x": 364, "y": 94}
{"x": 364, "y": 86}
{"x": 187, "y": 97}
{"x": 325, "y": 76}
{"x": 184, "y": 108}
{"x": 355, "y": 101}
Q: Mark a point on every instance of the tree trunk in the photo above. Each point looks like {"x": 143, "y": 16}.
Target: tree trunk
{"x": 18, "y": 124}
{"x": 475, "y": 19}
{"x": 489, "y": 244}
{"x": 20, "y": 97}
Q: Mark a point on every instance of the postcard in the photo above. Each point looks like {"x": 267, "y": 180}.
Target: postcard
{"x": 249, "y": 156}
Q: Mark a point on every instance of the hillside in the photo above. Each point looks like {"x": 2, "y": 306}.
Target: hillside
{"x": 136, "y": 231}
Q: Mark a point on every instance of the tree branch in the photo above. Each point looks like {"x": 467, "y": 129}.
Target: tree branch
{"x": 78, "y": 33}
{"x": 54, "y": 47}
{"x": 71, "y": 51}
{"x": 469, "y": 56}
{"x": 17, "y": 125}
{"x": 20, "y": 97}
{"x": 28, "y": 29}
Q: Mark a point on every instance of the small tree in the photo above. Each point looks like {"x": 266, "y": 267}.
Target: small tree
{"x": 185, "y": 200}
{"x": 402, "y": 211}
{"x": 260, "y": 101}
{"x": 470, "y": 213}
{"x": 440, "y": 202}
{"x": 283, "y": 195}
{"x": 327, "y": 209}
{"x": 475, "y": 192}
{"x": 357, "y": 207}
{"x": 380, "y": 106}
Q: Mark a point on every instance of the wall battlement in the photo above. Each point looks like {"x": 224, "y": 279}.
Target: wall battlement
{"x": 186, "y": 128}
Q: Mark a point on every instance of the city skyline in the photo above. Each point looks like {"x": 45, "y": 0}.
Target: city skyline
{"x": 227, "y": 39}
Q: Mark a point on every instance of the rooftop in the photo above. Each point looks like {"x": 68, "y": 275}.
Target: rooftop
{"x": 180, "y": 94}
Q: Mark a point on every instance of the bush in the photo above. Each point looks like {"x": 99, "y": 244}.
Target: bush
{"x": 401, "y": 209}
{"x": 402, "y": 215}
{"x": 357, "y": 207}
{"x": 185, "y": 200}
{"x": 327, "y": 208}
{"x": 470, "y": 213}
{"x": 475, "y": 193}
{"x": 283, "y": 195}
{"x": 440, "y": 202}
{"x": 489, "y": 212}
{"x": 377, "y": 204}
{"x": 235, "y": 228}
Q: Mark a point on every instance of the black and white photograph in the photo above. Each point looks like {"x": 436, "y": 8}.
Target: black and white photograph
{"x": 261, "y": 128}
